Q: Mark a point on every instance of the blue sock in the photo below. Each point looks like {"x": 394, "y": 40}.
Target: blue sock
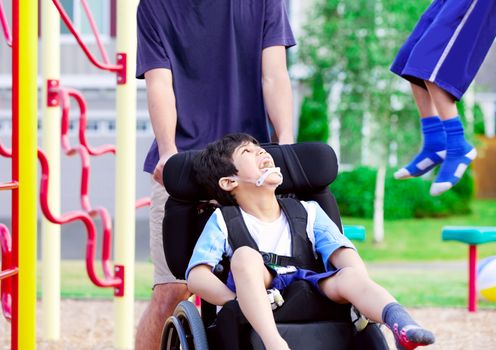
{"x": 458, "y": 157}
{"x": 407, "y": 333}
{"x": 432, "y": 153}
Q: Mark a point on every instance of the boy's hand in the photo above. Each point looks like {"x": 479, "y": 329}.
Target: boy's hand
{"x": 275, "y": 298}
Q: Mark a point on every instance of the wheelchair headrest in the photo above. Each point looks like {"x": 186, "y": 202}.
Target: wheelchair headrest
{"x": 306, "y": 167}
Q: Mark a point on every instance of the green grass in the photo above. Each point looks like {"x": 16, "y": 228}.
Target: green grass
{"x": 421, "y": 288}
{"x": 420, "y": 239}
{"x": 75, "y": 282}
{"x": 411, "y": 286}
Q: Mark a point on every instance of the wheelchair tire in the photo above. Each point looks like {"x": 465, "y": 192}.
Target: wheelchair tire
{"x": 371, "y": 338}
{"x": 191, "y": 326}
{"x": 173, "y": 336}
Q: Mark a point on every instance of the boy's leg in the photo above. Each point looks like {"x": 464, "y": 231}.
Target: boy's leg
{"x": 433, "y": 150}
{"x": 352, "y": 284}
{"x": 459, "y": 152}
{"x": 425, "y": 105}
{"x": 252, "y": 279}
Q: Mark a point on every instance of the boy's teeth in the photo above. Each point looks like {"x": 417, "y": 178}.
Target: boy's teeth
{"x": 266, "y": 164}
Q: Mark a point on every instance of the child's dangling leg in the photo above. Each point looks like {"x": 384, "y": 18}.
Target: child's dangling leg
{"x": 407, "y": 333}
{"x": 432, "y": 153}
{"x": 458, "y": 157}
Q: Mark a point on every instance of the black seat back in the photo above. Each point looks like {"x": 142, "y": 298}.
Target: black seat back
{"x": 307, "y": 168}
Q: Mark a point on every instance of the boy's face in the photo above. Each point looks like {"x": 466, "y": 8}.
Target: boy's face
{"x": 252, "y": 161}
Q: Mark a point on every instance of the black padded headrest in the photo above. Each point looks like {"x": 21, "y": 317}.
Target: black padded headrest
{"x": 305, "y": 167}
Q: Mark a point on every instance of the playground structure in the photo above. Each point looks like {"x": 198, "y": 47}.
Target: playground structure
{"x": 18, "y": 273}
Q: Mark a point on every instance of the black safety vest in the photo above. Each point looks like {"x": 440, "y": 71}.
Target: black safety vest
{"x": 302, "y": 253}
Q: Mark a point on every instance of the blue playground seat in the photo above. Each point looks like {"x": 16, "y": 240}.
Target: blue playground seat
{"x": 471, "y": 235}
{"x": 354, "y": 232}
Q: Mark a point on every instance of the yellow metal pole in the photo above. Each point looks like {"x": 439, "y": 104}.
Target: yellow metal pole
{"x": 125, "y": 183}
{"x": 50, "y": 233}
{"x": 27, "y": 107}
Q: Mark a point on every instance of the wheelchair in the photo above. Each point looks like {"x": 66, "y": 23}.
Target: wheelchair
{"x": 306, "y": 320}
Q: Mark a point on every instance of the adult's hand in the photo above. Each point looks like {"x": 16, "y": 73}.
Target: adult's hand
{"x": 159, "y": 169}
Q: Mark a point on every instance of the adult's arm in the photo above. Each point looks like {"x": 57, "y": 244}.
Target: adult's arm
{"x": 163, "y": 115}
{"x": 203, "y": 282}
{"x": 277, "y": 92}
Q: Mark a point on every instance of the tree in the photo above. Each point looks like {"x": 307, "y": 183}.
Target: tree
{"x": 314, "y": 125}
{"x": 353, "y": 43}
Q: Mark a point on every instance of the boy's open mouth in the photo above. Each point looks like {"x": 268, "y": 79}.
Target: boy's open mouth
{"x": 266, "y": 163}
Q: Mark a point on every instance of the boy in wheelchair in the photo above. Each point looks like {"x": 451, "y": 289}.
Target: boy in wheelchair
{"x": 241, "y": 175}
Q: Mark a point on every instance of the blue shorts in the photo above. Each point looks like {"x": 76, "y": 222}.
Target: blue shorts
{"x": 448, "y": 44}
{"x": 280, "y": 282}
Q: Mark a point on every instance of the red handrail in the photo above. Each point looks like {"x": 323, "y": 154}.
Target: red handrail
{"x": 143, "y": 202}
{"x": 85, "y": 215}
{"x": 109, "y": 280}
{"x": 4, "y": 151}
{"x": 94, "y": 29}
{"x": 8, "y": 270}
{"x": 65, "y": 95}
{"x": 9, "y": 185}
{"x": 5, "y": 25}
{"x": 70, "y": 26}
{"x": 85, "y": 151}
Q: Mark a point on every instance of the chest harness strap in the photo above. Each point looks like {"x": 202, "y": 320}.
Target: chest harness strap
{"x": 301, "y": 248}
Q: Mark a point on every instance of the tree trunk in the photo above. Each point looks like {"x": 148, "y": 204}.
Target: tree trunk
{"x": 334, "y": 123}
{"x": 379, "y": 204}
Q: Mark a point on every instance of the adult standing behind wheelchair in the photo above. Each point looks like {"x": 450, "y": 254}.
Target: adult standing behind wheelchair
{"x": 237, "y": 172}
{"x": 211, "y": 68}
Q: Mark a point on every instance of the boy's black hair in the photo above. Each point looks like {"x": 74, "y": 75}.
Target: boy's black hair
{"x": 216, "y": 161}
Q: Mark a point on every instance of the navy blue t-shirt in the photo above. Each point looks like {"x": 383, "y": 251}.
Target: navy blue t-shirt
{"x": 214, "y": 49}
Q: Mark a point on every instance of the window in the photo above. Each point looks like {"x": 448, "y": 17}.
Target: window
{"x": 101, "y": 12}
{"x": 142, "y": 125}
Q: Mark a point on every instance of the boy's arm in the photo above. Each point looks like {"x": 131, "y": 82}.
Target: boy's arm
{"x": 203, "y": 282}
{"x": 328, "y": 237}
{"x": 208, "y": 251}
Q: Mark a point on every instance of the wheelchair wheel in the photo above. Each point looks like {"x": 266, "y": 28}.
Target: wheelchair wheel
{"x": 174, "y": 336}
{"x": 184, "y": 330}
{"x": 371, "y": 338}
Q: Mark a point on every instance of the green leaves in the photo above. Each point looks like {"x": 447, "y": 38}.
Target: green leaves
{"x": 313, "y": 120}
{"x": 353, "y": 43}
{"x": 354, "y": 191}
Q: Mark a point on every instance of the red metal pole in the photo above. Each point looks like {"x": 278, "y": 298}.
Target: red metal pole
{"x": 472, "y": 278}
{"x": 15, "y": 173}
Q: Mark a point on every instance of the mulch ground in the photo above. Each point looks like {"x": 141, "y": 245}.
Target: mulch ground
{"x": 89, "y": 325}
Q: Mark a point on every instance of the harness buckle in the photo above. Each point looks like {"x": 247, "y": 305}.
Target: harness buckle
{"x": 269, "y": 258}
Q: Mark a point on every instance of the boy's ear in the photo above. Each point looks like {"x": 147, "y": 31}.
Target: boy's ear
{"x": 227, "y": 183}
